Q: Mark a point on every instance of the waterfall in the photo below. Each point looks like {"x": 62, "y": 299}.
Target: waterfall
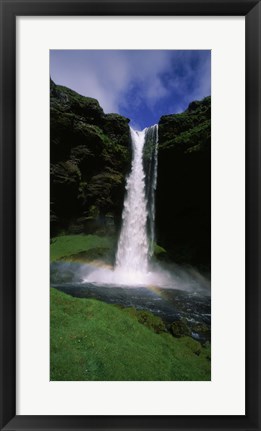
{"x": 151, "y": 168}
{"x": 136, "y": 242}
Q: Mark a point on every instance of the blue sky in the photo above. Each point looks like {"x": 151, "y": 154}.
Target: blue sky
{"x": 142, "y": 85}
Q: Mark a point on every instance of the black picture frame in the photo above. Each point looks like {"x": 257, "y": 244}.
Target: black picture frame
{"x": 251, "y": 10}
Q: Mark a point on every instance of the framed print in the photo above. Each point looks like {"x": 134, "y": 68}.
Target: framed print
{"x": 130, "y": 215}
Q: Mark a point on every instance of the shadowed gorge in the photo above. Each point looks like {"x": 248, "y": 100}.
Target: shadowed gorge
{"x": 91, "y": 155}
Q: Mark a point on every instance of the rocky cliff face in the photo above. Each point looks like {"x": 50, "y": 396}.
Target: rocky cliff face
{"x": 90, "y": 156}
{"x": 183, "y": 200}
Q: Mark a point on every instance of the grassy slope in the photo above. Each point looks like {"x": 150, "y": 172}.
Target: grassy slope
{"x": 67, "y": 245}
{"x": 91, "y": 340}
{"x": 70, "y": 245}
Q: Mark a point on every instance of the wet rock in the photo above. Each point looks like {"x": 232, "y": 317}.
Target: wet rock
{"x": 200, "y": 327}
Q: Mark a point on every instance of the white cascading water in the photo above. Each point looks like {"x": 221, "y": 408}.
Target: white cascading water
{"x": 136, "y": 241}
{"x": 133, "y": 245}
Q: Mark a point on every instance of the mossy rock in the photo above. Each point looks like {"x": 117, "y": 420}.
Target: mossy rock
{"x": 200, "y": 327}
{"x": 147, "y": 319}
{"x": 194, "y": 346}
{"x": 90, "y": 156}
{"x": 180, "y": 328}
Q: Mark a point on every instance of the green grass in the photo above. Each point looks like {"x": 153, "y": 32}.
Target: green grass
{"x": 68, "y": 245}
{"x": 159, "y": 250}
{"x": 91, "y": 340}
{"x": 87, "y": 247}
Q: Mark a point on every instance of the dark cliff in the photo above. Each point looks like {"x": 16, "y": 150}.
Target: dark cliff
{"x": 183, "y": 200}
{"x": 90, "y": 156}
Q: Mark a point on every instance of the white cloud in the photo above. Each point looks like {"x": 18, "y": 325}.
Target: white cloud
{"x": 134, "y": 79}
{"x": 108, "y": 75}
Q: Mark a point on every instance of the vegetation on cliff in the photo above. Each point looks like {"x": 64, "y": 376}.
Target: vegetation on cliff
{"x": 90, "y": 155}
{"x": 183, "y": 196}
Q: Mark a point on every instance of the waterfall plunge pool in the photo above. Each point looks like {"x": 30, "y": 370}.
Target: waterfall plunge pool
{"x": 134, "y": 282}
{"x": 186, "y": 293}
